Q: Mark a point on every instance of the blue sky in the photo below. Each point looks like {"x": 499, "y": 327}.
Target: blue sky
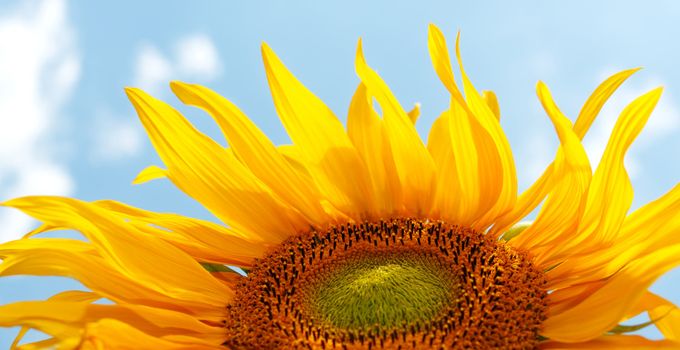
{"x": 67, "y": 128}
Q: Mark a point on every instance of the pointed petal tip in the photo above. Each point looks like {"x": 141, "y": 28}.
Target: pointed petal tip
{"x": 134, "y": 94}
{"x": 10, "y": 203}
{"x": 272, "y": 62}
{"x": 458, "y": 53}
{"x": 432, "y": 29}
{"x": 434, "y": 35}
{"x": 178, "y": 87}
{"x": 149, "y": 173}
{"x": 541, "y": 86}
{"x": 654, "y": 94}
{"x": 267, "y": 52}
{"x": 18, "y": 202}
{"x": 359, "y": 60}
{"x": 130, "y": 90}
{"x": 628, "y": 72}
{"x": 177, "y": 84}
{"x": 267, "y": 56}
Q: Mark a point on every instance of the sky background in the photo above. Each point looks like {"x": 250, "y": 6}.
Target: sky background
{"x": 67, "y": 128}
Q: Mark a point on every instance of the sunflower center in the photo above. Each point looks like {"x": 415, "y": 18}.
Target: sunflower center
{"x": 382, "y": 290}
{"x": 392, "y": 284}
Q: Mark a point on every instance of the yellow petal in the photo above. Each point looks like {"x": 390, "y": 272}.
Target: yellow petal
{"x": 441, "y": 61}
{"x": 51, "y": 343}
{"x": 321, "y": 138}
{"x": 604, "y": 308}
{"x": 414, "y": 113}
{"x": 666, "y": 314}
{"x": 365, "y": 129}
{"x": 500, "y": 187}
{"x": 649, "y": 228}
{"x": 618, "y": 342}
{"x": 64, "y": 319}
{"x": 452, "y": 143}
{"x": 526, "y": 202}
{"x": 149, "y": 173}
{"x": 69, "y": 295}
{"x": 563, "y": 299}
{"x": 492, "y": 101}
{"x": 559, "y": 215}
{"x": 114, "y": 334}
{"x": 457, "y": 196}
{"x": 13, "y": 247}
{"x": 591, "y": 108}
{"x": 439, "y": 146}
{"x": 212, "y": 175}
{"x": 203, "y": 240}
{"x": 660, "y": 217}
{"x": 135, "y": 255}
{"x": 535, "y": 194}
{"x": 414, "y": 166}
{"x": 20, "y": 336}
{"x": 294, "y": 157}
{"x": 76, "y": 295}
{"x": 611, "y": 192}
{"x": 93, "y": 272}
{"x": 255, "y": 150}
{"x": 492, "y": 178}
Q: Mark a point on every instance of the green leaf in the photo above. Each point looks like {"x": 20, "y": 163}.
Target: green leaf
{"x": 216, "y": 267}
{"x": 515, "y": 230}
{"x": 620, "y": 329}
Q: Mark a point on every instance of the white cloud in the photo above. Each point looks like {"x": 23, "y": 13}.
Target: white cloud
{"x": 197, "y": 56}
{"x": 115, "y": 138}
{"x": 39, "y": 67}
{"x": 664, "y": 121}
{"x": 194, "y": 57}
{"x": 152, "y": 69}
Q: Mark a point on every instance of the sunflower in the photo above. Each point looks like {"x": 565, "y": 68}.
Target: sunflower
{"x": 365, "y": 238}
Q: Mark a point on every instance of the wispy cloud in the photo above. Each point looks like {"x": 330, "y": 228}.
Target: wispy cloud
{"x": 197, "y": 57}
{"x": 152, "y": 69}
{"x": 39, "y": 65}
{"x": 193, "y": 57}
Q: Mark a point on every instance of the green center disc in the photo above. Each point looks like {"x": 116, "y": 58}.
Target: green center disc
{"x": 384, "y": 291}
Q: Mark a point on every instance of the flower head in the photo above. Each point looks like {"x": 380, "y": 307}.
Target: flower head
{"x": 360, "y": 238}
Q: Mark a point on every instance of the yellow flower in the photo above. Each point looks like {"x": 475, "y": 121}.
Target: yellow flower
{"x": 364, "y": 238}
